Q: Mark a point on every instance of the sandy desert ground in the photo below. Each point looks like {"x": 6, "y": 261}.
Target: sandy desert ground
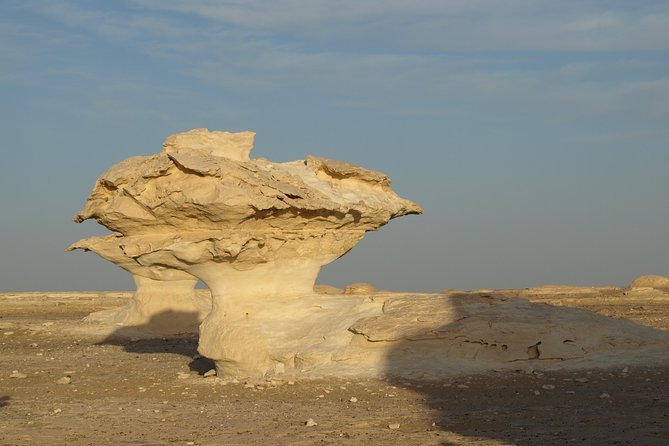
{"x": 65, "y": 382}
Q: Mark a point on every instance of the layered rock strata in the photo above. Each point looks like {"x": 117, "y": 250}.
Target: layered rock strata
{"x": 250, "y": 229}
{"x": 257, "y": 233}
{"x": 165, "y": 300}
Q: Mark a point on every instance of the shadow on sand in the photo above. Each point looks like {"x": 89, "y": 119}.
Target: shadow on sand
{"x": 525, "y": 406}
{"x": 4, "y": 401}
{"x": 520, "y": 407}
{"x": 163, "y": 333}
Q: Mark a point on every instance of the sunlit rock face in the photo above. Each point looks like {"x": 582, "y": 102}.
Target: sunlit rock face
{"x": 257, "y": 233}
{"x": 249, "y": 228}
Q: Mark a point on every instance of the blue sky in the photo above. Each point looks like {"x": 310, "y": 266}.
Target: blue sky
{"x": 534, "y": 133}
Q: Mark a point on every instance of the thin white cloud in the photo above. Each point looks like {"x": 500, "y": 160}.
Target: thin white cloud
{"x": 483, "y": 25}
{"x": 401, "y": 62}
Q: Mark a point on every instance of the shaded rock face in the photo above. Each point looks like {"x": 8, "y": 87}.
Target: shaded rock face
{"x": 159, "y": 291}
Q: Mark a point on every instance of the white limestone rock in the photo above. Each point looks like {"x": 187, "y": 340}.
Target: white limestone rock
{"x": 257, "y": 233}
{"x": 165, "y": 300}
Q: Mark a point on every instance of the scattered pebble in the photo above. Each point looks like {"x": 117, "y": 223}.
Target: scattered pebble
{"x": 249, "y": 386}
{"x": 209, "y": 373}
{"x": 394, "y": 426}
{"x": 548, "y": 386}
{"x": 463, "y": 386}
{"x": 310, "y": 423}
{"x": 626, "y": 370}
{"x": 353, "y": 399}
{"x": 8, "y": 333}
{"x": 605, "y": 395}
{"x": 581, "y": 380}
{"x": 57, "y": 411}
{"x": 536, "y": 392}
{"x": 17, "y": 374}
{"x": 34, "y": 344}
{"x": 183, "y": 375}
{"x": 64, "y": 380}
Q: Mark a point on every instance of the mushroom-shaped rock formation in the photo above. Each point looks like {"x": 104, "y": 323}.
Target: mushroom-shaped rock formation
{"x": 257, "y": 233}
{"x": 250, "y": 229}
{"x": 165, "y": 300}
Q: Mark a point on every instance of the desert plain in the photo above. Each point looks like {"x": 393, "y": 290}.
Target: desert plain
{"x": 67, "y": 381}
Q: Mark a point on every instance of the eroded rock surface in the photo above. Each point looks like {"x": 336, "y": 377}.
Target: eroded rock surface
{"x": 257, "y": 233}
{"x": 249, "y": 228}
{"x": 165, "y": 300}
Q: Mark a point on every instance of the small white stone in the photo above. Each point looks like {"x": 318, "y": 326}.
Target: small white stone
{"x": 183, "y": 375}
{"x": 463, "y": 386}
{"x": 17, "y": 374}
{"x": 536, "y": 392}
{"x": 57, "y": 411}
{"x": 626, "y": 370}
{"x": 8, "y": 333}
{"x": 34, "y": 344}
{"x": 353, "y": 399}
{"x": 310, "y": 423}
{"x": 581, "y": 380}
{"x": 394, "y": 426}
{"x": 548, "y": 386}
{"x": 64, "y": 380}
{"x": 605, "y": 395}
{"x": 209, "y": 373}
